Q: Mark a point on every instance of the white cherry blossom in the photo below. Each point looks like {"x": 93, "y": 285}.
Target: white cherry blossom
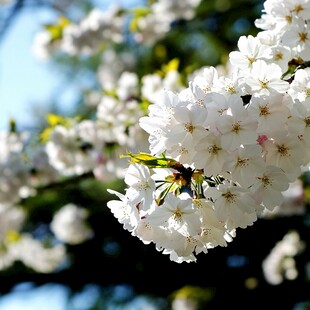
{"x": 177, "y": 213}
{"x": 188, "y": 126}
{"x": 270, "y": 112}
{"x": 233, "y": 205}
{"x": 141, "y": 186}
{"x": 300, "y": 87}
{"x": 286, "y": 152}
{"x": 250, "y": 50}
{"x": 127, "y": 215}
{"x": 237, "y": 127}
{"x": 298, "y": 38}
{"x": 265, "y": 79}
{"x": 210, "y": 155}
{"x": 244, "y": 164}
{"x": 269, "y": 186}
{"x": 69, "y": 224}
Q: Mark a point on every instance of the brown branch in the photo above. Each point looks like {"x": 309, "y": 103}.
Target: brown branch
{"x": 11, "y": 15}
{"x": 66, "y": 182}
{"x": 15, "y": 9}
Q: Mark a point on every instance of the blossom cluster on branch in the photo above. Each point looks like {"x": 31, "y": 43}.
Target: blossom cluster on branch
{"x": 225, "y": 148}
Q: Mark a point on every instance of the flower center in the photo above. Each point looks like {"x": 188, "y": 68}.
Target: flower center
{"x": 183, "y": 150}
{"x": 242, "y": 162}
{"x": 236, "y": 127}
{"x": 251, "y": 59}
{"x": 147, "y": 226}
{"x": 221, "y": 111}
{"x": 191, "y": 240}
{"x": 143, "y": 185}
{"x": 278, "y": 56}
{"x": 206, "y": 89}
{"x": 230, "y": 89}
{"x": 230, "y": 197}
{"x": 206, "y": 231}
{"x": 307, "y": 92}
{"x": 288, "y": 18}
{"x": 177, "y": 215}
{"x": 198, "y": 203}
{"x": 283, "y": 150}
{"x": 189, "y": 127}
{"x": 264, "y": 111}
{"x": 200, "y": 102}
{"x": 213, "y": 149}
{"x": 265, "y": 181}
{"x": 264, "y": 83}
{"x": 302, "y": 36}
{"x": 298, "y": 8}
{"x": 307, "y": 121}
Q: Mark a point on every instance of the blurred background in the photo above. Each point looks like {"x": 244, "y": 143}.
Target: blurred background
{"x": 267, "y": 265}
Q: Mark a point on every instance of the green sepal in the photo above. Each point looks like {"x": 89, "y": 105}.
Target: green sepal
{"x": 150, "y": 160}
{"x": 161, "y": 197}
{"x": 12, "y": 125}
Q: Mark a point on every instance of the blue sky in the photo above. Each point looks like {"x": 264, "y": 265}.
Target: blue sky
{"x": 24, "y": 80}
{"x": 27, "y": 296}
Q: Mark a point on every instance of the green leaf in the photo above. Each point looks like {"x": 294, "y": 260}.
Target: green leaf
{"x": 137, "y": 13}
{"x": 54, "y": 120}
{"x": 133, "y": 26}
{"x": 172, "y": 65}
{"x": 12, "y": 236}
{"x": 55, "y": 30}
{"x": 142, "y": 11}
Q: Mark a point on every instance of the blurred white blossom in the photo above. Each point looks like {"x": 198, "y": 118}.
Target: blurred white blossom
{"x": 69, "y": 224}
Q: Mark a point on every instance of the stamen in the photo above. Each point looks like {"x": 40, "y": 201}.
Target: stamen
{"x": 265, "y": 180}
{"x": 283, "y": 150}
{"x": 177, "y": 215}
{"x": 230, "y": 197}
{"x": 307, "y": 121}
{"x": 264, "y": 110}
{"x": 213, "y": 149}
{"x": 236, "y": 127}
{"x": 189, "y": 127}
{"x": 302, "y": 36}
{"x": 242, "y": 162}
{"x": 264, "y": 83}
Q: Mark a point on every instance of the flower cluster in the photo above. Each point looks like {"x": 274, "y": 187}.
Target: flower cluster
{"x": 16, "y": 245}
{"x": 153, "y": 24}
{"x": 280, "y": 262}
{"x": 99, "y": 29}
{"x": 224, "y": 149}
